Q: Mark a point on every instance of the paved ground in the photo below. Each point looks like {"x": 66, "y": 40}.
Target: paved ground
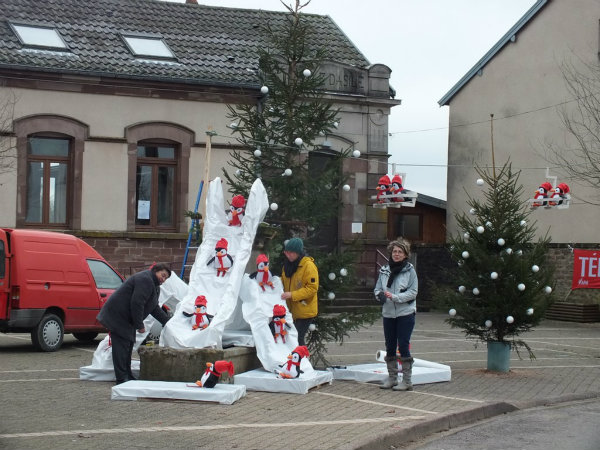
{"x": 46, "y": 406}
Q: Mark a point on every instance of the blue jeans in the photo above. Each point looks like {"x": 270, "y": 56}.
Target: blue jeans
{"x": 397, "y": 332}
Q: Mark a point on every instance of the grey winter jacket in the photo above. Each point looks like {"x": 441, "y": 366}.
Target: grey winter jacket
{"x": 404, "y": 291}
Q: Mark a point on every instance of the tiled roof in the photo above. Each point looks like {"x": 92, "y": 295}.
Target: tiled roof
{"x": 212, "y": 44}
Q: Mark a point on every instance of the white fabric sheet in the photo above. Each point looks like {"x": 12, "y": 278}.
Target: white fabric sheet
{"x": 221, "y": 292}
{"x": 261, "y": 380}
{"x": 225, "y": 394}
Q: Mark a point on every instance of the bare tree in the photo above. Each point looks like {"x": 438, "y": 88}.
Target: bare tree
{"x": 582, "y": 122}
{"x": 8, "y": 154}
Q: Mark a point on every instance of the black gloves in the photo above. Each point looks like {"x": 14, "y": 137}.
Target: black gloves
{"x": 381, "y": 298}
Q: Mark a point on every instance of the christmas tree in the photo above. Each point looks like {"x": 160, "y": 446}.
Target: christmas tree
{"x": 503, "y": 281}
{"x": 303, "y": 179}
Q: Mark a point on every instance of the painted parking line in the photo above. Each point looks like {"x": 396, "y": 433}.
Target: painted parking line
{"x": 428, "y": 394}
{"x": 38, "y": 370}
{"x": 37, "y": 380}
{"x": 188, "y": 428}
{"x": 388, "y": 405}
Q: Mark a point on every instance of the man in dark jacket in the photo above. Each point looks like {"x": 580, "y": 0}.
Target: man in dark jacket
{"x": 124, "y": 313}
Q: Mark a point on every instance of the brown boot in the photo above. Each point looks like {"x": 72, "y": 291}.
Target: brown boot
{"x": 406, "y": 384}
{"x": 392, "y": 367}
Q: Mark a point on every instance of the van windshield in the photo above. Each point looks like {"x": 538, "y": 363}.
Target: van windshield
{"x": 104, "y": 276}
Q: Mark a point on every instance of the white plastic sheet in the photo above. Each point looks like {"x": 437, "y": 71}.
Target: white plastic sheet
{"x": 225, "y": 394}
{"x": 261, "y": 380}
{"x": 221, "y": 292}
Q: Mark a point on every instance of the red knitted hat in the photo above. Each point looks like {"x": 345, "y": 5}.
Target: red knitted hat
{"x": 200, "y": 301}
{"x": 397, "y": 179}
{"x": 238, "y": 201}
{"x": 384, "y": 180}
{"x": 222, "y": 243}
{"x": 302, "y": 350}
{"x": 224, "y": 366}
{"x": 262, "y": 258}
{"x": 279, "y": 310}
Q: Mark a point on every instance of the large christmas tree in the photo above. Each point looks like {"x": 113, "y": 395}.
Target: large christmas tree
{"x": 503, "y": 280}
{"x": 303, "y": 179}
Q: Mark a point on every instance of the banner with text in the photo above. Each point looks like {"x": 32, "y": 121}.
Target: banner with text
{"x": 586, "y": 269}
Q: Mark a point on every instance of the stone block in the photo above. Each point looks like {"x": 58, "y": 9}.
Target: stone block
{"x": 188, "y": 365}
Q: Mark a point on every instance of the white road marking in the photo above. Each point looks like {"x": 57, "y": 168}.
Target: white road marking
{"x": 188, "y": 428}
{"x": 37, "y": 380}
{"x": 445, "y": 396}
{"x": 375, "y": 403}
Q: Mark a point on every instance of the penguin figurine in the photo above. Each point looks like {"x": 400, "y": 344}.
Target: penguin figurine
{"x": 277, "y": 324}
{"x": 396, "y": 188}
{"x": 201, "y": 318}
{"x": 213, "y": 373}
{"x": 236, "y": 211}
{"x": 382, "y": 188}
{"x": 221, "y": 261}
{"x": 291, "y": 368}
{"x": 541, "y": 194}
{"x": 266, "y": 278}
{"x": 559, "y": 194}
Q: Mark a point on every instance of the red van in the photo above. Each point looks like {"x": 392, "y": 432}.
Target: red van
{"x": 51, "y": 284}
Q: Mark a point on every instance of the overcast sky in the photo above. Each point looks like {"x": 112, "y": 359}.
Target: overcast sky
{"x": 429, "y": 45}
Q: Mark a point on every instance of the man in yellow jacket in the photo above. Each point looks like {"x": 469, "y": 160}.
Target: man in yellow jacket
{"x": 300, "y": 279}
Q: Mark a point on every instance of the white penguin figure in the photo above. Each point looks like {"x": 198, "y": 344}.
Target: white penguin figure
{"x": 291, "y": 368}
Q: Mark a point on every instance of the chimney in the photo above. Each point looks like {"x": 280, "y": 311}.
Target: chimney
{"x": 191, "y": 2}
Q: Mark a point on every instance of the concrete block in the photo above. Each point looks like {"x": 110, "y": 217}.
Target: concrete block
{"x": 188, "y": 365}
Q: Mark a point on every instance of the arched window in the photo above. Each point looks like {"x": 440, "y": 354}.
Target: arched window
{"x": 158, "y": 176}
{"x": 50, "y": 153}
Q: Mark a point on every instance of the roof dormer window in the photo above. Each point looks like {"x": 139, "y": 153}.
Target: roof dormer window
{"x": 39, "y": 36}
{"x": 148, "y": 46}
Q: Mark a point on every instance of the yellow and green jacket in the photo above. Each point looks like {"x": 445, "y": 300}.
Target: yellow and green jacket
{"x": 303, "y": 285}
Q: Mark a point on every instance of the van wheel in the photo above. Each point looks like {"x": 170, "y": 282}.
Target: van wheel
{"x": 87, "y": 336}
{"x": 48, "y": 334}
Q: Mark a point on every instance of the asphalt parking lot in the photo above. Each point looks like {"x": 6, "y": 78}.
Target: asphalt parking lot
{"x": 47, "y": 406}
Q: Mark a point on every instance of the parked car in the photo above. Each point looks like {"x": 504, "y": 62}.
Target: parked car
{"x": 50, "y": 284}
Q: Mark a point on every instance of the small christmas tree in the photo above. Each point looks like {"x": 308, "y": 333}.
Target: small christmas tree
{"x": 303, "y": 179}
{"x": 503, "y": 281}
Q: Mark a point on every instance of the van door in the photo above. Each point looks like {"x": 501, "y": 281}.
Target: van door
{"x": 4, "y": 276}
{"x": 106, "y": 279}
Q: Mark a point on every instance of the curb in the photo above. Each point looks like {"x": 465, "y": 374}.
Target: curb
{"x": 454, "y": 420}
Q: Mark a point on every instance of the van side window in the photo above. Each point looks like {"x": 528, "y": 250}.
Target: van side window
{"x": 2, "y": 259}
{"x": 104, "y": 276}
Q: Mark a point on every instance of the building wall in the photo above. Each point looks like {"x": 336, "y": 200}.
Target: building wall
{"x": 519, "y": 86}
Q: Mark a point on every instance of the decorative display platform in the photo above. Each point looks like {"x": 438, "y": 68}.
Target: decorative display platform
{"x": 225, "y": 394}
{"x": 423, "y": 372}
{"x": 261, "y": 380}
{"x": 105, "y": 373}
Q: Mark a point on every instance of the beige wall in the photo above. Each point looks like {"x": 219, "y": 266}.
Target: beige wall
{"x": 524, "y": 81}
{"x": 8, "y": 193}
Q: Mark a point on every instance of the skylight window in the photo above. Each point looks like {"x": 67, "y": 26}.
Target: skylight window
{"x": 148, "y": 46}
{"x": 35, "y": 36}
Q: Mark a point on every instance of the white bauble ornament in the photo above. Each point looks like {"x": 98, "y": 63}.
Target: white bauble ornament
{"x": 519, "y": 252}
{"x": 521, "y": 287}
{"x": 233, "y": 125}
{"x": 462, "y": 289}
{"x": 335, "y": 124}
{"x": 530, "y": 311}
{"x": 306, "y": 73}
{"x": 466, "y": 235}
{"x": 356, "y": 153}
{"x": 548, "y": 290}
{"x": 465, "y": 254}
{"x": 257, "y": 153}
{"x": 479, "y": 182}
{"x": 488, "y": 324}
{"x": 535, "y": 268}
{"x": 237, "y": 172}
{"x": 488, "y": 224}
{"x": 494, "y": 275}
{"x": 346, "y": 187}
{"x": 274, "y": 206}
{"x": 472, "y": 211}
{"x": 452, "y": 312}
{"x": 312, "y": 327}
{"x": 508, "y": 251}
{"x": 501, "y": 242}
{"x": 510, "y": 319}
{"x": 475, "y": 291}
{"x": 480, "y": 229}
{"x": 331, "y": 296}
{"x": 331, "y": 276}
{"x": 287, "y": 173}
{"x": 523, "y": 223}
{"x": 298, "y": 141}
{"x": 343, "y": 271}
{"x": 264, "y": 90}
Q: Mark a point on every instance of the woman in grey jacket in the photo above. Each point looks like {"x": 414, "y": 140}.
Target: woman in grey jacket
{"x": 396, "y": 290}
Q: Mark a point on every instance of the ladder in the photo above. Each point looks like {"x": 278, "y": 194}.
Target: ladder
{"x": 192, "y": 230}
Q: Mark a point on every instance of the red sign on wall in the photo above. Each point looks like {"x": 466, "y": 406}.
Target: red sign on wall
{"x": 586, "y": 269}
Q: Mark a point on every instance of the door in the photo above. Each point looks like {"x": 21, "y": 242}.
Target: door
{"x": 4, "y": 276}
{"x": 106, "y": 279}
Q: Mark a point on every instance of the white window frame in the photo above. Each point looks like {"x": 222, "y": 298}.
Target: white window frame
{"x": 148, "y": 46}
{"x": 39, "y": 36}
